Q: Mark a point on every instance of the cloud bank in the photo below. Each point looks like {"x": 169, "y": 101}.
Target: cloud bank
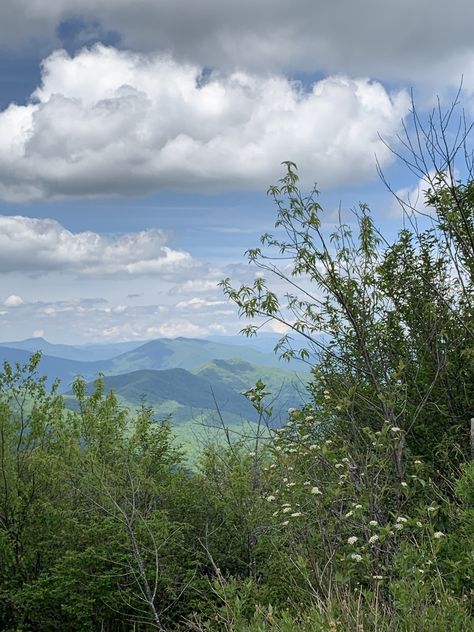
{"x": 403, "y": 40}
{"x": 107, "y": 122}
{"x": 41, "y": 245}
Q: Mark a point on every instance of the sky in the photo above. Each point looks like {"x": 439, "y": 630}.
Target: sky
{"x": 138, "y": 140}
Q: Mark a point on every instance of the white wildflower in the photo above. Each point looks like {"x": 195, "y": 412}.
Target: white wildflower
{"x": 316, "y": 491}
{"x": 286, "y": 510}
{"x": 403, "y": 484}
{"x": 438, "y": 535}
{"x": 270, "y": 498}
{"x": 398, "y": 526}
{"x": 349, "y": 514}
{"x": 352, "y": 540}
{"x": 373, "y": 523}
{"x": 395, "y": 429}
{"x": 356, "y": 557}
{"x": 373, "y": 539}
{"x": 297, "y": 514}
{"x": 401, "y": 519}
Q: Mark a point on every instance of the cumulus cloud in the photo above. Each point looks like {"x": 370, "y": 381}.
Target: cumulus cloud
{"x": 110, "y": 122}
{"x": 13, "y": 301}
{"x": 35, "y": 245}
{"x": 401, "y": 40}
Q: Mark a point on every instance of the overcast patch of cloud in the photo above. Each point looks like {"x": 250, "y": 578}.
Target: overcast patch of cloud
{"x": 42, "y": 245}
{"x": 403, "y": 40}
{"x": 109, "y": 122}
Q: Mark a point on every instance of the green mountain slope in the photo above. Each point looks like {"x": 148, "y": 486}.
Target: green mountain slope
{"x": 179, "y": 387}
{"x": 286, "y": 387}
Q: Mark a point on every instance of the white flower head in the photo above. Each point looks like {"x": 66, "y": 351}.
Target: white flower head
{"x": 297, "y": 514}
{"x": 438, "y": 535}
{"x": 316, "y": 491}
{"x": 373, "y": 539}
{"x": 373, "y": 523}
{"x": 270, "y": 498}
{"x": 401, "y": 519}
{"x": 352, "y": 539}
{"x": 356, "y": 557}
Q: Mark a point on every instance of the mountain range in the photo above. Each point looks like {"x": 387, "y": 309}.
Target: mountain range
{"x": 182, "y": 377}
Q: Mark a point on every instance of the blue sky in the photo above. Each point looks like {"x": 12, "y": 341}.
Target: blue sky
{"x": 137, "y": 141}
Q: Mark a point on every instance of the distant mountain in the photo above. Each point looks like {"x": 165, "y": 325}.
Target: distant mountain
{"x": 54, "y": 368}
{"x": 263, "y": 341}
{"x": 186, "y": 353}
{"x": 80, "y": 353}
{"x": 208, "y": 391}
{"x": 177, "y": 386}
{"x": 287, "y": 388}
{"x": 223, "y": 366}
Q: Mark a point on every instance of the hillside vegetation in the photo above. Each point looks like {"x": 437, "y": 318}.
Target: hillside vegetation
{"x": 356, "y": 515}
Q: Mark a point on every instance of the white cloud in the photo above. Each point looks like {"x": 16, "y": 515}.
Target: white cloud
{"x": 109, "y": 122}
{"x": 34, "y": 245}
{"x": 197, "y": 303}
{"x": 13, "y": 301}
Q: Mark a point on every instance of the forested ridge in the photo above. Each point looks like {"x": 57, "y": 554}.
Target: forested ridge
{"x": 357, "y": 514}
